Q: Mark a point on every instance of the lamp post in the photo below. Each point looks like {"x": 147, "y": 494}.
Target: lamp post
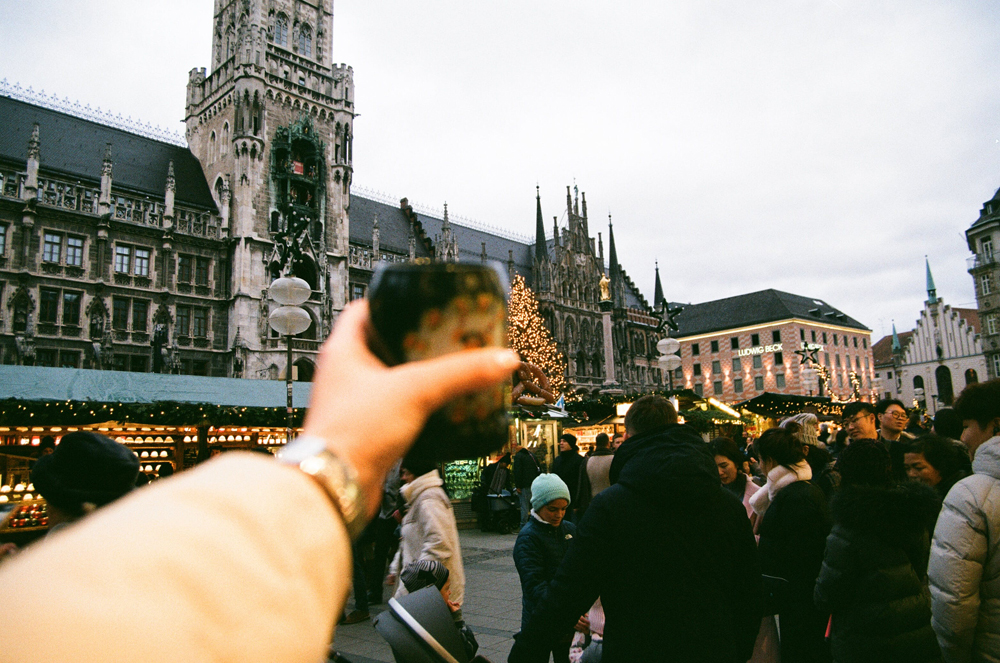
{"x": 668, "y": 361}
{"x": 288, "y": 320}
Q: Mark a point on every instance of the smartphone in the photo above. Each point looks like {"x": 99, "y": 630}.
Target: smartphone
{"x": 420, "y": 311}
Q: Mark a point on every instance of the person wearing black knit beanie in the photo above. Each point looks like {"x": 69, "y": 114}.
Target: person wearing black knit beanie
{"x": 86, "y": 471}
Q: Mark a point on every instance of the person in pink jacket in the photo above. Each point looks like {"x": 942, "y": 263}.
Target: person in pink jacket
{"x": 243, "y": 558}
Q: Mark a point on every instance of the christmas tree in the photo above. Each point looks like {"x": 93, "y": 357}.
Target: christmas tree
{"x": 528, "y": 335}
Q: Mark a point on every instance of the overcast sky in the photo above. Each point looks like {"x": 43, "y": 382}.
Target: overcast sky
{"x": 819, "y": 147}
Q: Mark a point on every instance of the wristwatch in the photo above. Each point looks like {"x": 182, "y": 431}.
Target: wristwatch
{"x": 334, "y": 475}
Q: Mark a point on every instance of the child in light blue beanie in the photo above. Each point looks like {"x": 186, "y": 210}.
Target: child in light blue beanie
{"x": 540, "y": 547}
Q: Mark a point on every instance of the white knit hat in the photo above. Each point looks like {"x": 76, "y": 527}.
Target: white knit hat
{"x": 807, "y": 423}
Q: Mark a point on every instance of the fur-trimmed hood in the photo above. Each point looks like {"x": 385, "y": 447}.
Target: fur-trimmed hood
{"x": 886, "y": 512}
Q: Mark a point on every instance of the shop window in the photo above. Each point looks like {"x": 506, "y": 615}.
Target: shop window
{"x": 699, "y": 390}
{"x": 716, "y": 368}
{"x": 715, "y": 346}
{"x": 737, "y": 364}
{"x": 48, "y": 309}
{"x": 74, "y": 251}
{"x": 776, "y": 336}
{"x": 754, "y": 340}
{"x": 52, "y": 248}
{"x": 738, "y": 385}
{"x": 734, "y": 343}
{"x": 695, "y": 350}
{"x": 71, "y": 308}
{"x": 779, "y": 359}
{"x": 779, "y": 380}
{"x": 758, "y": 383}
{"x": 717, "y": 387}
{"x": 697, "y": 370}
{"x": 757, "y": 362}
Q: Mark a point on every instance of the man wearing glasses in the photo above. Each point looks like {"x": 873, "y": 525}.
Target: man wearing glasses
{"x": 859, "y": 420}
{"x": 892, "y": 419}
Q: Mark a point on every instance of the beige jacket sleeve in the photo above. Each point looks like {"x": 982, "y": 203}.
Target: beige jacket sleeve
{"x": 241, "y": 559}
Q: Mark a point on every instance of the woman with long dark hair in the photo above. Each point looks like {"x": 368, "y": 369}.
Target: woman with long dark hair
{"x": 793, "y": 525}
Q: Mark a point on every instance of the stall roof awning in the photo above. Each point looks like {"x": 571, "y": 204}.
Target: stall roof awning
{"x": 778, "y": 406}
{"x": 39, "y": 383}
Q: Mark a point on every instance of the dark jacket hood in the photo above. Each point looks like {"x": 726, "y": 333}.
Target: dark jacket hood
{"x": 664, "y": 461}
{"x": 886, "y": 512}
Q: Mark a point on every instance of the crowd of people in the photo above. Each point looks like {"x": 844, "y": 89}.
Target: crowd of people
{"x": 880, "y": 542}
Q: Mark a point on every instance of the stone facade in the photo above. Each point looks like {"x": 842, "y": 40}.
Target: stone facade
{"x": 984, "y": 266}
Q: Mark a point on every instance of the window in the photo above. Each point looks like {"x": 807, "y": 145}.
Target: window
{"x": 717, "y": 388}
{"x": 826, "y": 359}
{"x": 281, "y": 31}
{"x": 679, "y": 373}
{"x": 123, "y": 259}
{"x": 824, "y": 338}
{"x": 305, "y": 42}
{"x": 837, "y": 360}
{"x": 864, "y": 343}
{"x": 802, "y": 333}
{"x": 996, "y": 364}
{"x": 119, "y": 314}
{"x": 140, "y": 315}
{"x": 738, "y": 385}
{"x": 779, "y": 380}
{"x": 201, "y": 271}
{"x": 986, "y": 246}
{"x": 757, "y": 362}
{"x": 697, "y": 369}
{"x": 986, "y": 284}
{"x": 888, "y": 375}
{"x": 716, "y": 368}
{"x": 46, "y": 357}
{"x": 715, "y": 346}
{"x": 184, "y": 269}
{"x": 3, "y": 239}
{"x": 734, "y": 343}
{"x": 754, "y": 340}
{"x": 71, "y": 308}
{"x": 835, "y": 340}
{"x": 855, "y": 341}
{"x": 357, "y": 291}
{"x": 737, "y": 365}
{"x": 779, "y": 359}
{"x": 52, "y": 248}
{"x": 695, "y": 350}
{"x": 141, "y": 262}
{"x": 758, "y": 383}
{"x": 992, "y": 325}
{"x": 48, "y": 310}
{"x": 200, "y": 323}
{"x": 69, "y": 358}
{"x": 74, "y": 251}
{"x": 840, "y": 379}
{"x": 699, "y": 390}
{"x": 813, "y": 332}
{"x": 776, "y": 336}
{"x": 183, "y": 320}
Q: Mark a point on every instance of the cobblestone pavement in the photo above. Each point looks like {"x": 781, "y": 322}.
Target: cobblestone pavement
{"x": 492, "y": 603}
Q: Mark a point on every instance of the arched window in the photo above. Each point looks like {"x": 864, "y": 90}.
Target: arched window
{"x": 275, "y": 222}
{"x": 230, "y": 43}
{"x": 219, "y": 185}
{"x": 224, "y": 143}
{"x": 305, "y": 41}
{"x": 971, "y": 377}
{"x": 281, "y": 31}
{"x": 305, "y": 370}
{"x": 212, "y": 148}
{"x": 946, "y": 393}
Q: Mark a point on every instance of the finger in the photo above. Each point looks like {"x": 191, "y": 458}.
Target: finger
{"x": 446, "y": 377}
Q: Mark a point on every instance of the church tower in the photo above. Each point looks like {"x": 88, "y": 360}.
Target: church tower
{"x": 271, "y": 122}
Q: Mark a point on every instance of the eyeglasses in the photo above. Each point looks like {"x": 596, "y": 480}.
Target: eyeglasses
{"x": 854, "y": 420}
{"x": 898, "y": 415}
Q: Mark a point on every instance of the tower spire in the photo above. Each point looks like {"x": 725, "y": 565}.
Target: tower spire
{"x": 658, "y": 299}
{"x": 540, "y": 252}
{"x": 896, "y": 347}
{"x": 614, "y": 271}
{"x": 931, "y": 289}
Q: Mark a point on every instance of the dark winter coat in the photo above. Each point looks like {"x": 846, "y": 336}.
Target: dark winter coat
{"x": 793, "y": 534}
{"x": 538, "y": 551}
{"x": 874, "y": 575}
{"x": 670, "y": 553}
{"x": 567, "y": 467}
{"x": 824, "y": 475}
{"x": 525, "y": 469}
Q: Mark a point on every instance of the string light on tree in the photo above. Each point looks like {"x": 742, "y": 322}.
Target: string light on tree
{"x": 528, "y": 335}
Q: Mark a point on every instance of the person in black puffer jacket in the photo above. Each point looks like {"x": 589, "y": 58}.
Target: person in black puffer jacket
{"x": 670, "y": 553}
{"x": 874, "y": 575}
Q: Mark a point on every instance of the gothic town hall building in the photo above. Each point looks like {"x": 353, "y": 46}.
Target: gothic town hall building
{"x": 121, "y": 249}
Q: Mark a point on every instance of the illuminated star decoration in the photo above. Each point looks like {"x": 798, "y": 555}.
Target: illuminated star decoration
{"x": 807, "y": 355}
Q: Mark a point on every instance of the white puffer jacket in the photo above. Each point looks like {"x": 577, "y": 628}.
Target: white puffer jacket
{"x": 429, "y": 531}
{"x": 965, "y": 564}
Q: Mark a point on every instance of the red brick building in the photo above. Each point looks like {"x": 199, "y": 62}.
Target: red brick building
{"x": 740, "y": 347}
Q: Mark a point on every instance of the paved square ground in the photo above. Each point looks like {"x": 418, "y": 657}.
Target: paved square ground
{"x": 492, "y": 603}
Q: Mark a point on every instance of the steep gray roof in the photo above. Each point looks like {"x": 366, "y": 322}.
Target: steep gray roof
{"x": 470, "y": 244}
{"x": 393, "y": 227}
{"x": 758, "y": 308}
{"x": 74, "y": 147}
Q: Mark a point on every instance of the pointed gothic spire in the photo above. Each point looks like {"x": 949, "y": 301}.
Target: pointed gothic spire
{"x": 34, "y": 143}
{"x": 555, "y": 232}
{"x": 658, "y": 299}
{"x": 614, "y": 270}
{"x": 540, "y": 252}
{"x": 896, "y": 347}
{"x": 171, "y": 181}
{"x": 931, "y": 289}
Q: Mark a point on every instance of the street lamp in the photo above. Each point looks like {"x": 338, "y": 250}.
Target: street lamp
{"x": 288, "y": 320}
{"x": 669, "y": 361}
